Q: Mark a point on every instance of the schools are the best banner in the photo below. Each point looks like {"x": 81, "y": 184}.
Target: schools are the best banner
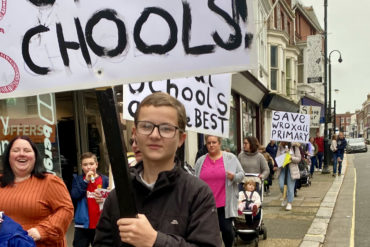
{"x": 290, "y": 127}
{"x": 60, "y": 45}
{"x": 206, "y": 100}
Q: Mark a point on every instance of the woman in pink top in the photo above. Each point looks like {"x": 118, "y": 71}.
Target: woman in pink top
{"x": 222, "y": 172}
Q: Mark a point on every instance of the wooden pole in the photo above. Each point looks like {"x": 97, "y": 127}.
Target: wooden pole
{"x": 117, "y": 152}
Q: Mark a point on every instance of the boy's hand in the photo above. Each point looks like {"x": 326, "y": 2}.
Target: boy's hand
{"x": 89, "y": 175}
{"x": 137, "y": 231}
{"x": 98, "y": 196}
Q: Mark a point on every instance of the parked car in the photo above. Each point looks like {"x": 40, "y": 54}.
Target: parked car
{"x": 356, "y": 145}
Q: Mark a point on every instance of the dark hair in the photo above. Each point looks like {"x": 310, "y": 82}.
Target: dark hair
{"x": 88, "y": 155}
{"x": 284, "y": 143}
{"x": 253, "y": 143}
{"x": 8, "y": 176}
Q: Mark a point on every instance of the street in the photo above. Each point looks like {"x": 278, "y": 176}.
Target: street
{"x": 286, "y": 228}
{"x": 354, "y": 191}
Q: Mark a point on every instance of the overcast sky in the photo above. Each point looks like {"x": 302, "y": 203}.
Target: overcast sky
{"x": 348, "y": 32}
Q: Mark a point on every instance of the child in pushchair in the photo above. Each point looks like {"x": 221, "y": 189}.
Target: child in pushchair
{"x": 249, "y": 225}
{"x": 249, "y": 199}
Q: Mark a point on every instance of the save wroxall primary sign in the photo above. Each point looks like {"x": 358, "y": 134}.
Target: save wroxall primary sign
{"x": 60, "y": 45}
{"x": 291, "y": 127}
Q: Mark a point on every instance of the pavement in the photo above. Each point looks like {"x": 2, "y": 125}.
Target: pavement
{"x": 306, "y": 225}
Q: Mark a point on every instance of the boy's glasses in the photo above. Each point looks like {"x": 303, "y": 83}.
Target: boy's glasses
{"x": 164, "y": 130}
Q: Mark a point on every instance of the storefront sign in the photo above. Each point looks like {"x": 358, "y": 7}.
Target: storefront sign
{"x": 206, "y": 100}
{"x": 291, "y": 127}
{"x": 61, "y": 45}
{"x": 314, "y": 112}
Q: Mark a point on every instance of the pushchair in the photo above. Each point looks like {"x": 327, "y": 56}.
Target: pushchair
{"x": 249, "y": 230}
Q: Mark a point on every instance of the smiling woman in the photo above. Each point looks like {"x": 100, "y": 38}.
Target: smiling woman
{"x": 38, "y": 201}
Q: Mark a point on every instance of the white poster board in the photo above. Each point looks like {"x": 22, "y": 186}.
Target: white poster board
{"x": 290, "y": 127}
{"x": 206, "y": 100}
{"x": 314, "y": 112}
{"x": 62, "y": 45}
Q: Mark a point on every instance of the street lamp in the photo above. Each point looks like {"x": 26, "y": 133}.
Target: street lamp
{"x": 328, "y": 118}
{"x": 339, "y": 60}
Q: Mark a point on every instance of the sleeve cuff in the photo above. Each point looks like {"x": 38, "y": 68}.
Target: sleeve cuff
{"x": 161, "y": 240}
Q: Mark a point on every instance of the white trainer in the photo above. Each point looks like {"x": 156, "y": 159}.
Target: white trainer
{"x": 288, "y": 207}
{"x": 283, "y": 203}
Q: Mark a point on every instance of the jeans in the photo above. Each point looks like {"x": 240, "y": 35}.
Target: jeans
{"x": 335, "y": 157}
{"x": 226, "y": 227}
{"x": 319, "y": 156}
{"x": 290, "y": 183}
{"x": 313, "y": 164}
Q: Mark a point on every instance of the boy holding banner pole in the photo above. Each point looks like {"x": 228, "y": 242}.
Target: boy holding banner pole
{"x": 174, "y": 207}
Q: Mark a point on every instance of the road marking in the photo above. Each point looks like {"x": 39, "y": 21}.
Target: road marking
{"x": 352, "y": 240}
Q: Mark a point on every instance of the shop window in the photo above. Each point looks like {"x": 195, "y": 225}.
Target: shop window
{"x": 231, "y": 144}
{"x": 248, "y": 119}
{"x": 31, "y": 105}
{"x": 21, "y": 116}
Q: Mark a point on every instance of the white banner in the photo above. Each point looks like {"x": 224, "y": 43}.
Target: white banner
{"x": 60, "y": 45}
{"x": 314, "y": 59}
{"x": 206, "y": 100}
{"x": 290, "y": 127}
{"x": 314, "y": 112}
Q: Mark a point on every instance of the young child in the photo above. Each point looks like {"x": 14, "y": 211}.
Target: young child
{"x": 249, "y": 198}
{"x": 87, "y": 200}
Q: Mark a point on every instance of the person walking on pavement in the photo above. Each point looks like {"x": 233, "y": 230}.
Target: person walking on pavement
{"x": 319, "y": 140}
{"x": 333, "y": 148}
{"x": 289, "y": 173}
{"x": 272, "y": 148}
{"x": 251, "y": 160}
{"x": 222, "y": 172}
{"x": 339, "y": 154}
{"x": 311, "y": 153}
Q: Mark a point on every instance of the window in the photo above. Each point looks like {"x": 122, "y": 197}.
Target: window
{"x": 282, "y": 21}
{"x": 288, "y": 77}
{"x": 31, "y": 104}
{"x": 348, "y": 120}
{"x": 273, "y": 67}
{"x": 297, "y": 26}
{"x": 300, "y": 68}
{"x": 230, "y": 144}
{"x": 341, "y": 120}
{"x": 248, "y": 119}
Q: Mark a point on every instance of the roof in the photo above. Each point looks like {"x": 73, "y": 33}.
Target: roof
{"x": 310, "y": 15}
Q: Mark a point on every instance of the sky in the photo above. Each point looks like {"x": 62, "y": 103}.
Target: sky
{"x": 349, "y": 32}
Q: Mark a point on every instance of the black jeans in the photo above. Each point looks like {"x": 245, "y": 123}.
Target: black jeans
{"x": 83, "y": 237}
{"x": 226, "y": 227}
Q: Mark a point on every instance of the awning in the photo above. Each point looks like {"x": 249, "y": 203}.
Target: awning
{"x": 276, "y": 102}
{"x": 244, "y": 83}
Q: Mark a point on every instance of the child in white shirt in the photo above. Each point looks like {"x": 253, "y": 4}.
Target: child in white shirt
{"x": 249, "y": 198}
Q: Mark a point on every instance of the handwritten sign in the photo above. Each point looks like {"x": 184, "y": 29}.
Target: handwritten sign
{"x": 314, "y": 112}
{"x": 61, "y": 45}
{"x": 291, "y": 127}
{"x": 206, "y": 100}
